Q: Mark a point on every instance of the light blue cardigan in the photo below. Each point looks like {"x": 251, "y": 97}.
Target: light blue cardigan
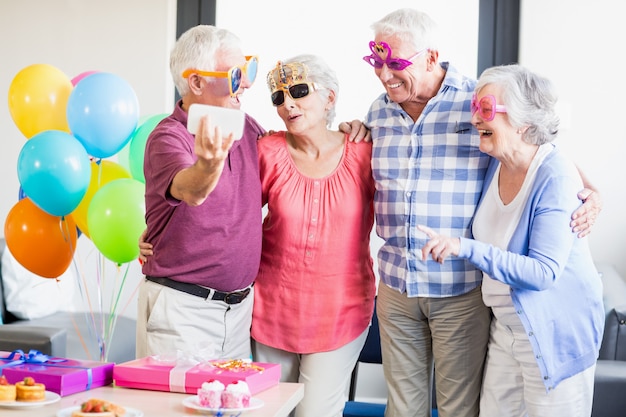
{"x": 554, "y": 284}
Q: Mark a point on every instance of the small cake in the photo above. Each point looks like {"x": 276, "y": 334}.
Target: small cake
{"x": 7, "y": 391}
{"x": 210, "y": 394}
{"x": 236, "y": 395}
{"x": 29, "y": 390}
{"x": 95, "y": 407}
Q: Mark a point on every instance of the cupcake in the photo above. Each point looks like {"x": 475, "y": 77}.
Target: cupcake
{"x": 29, "y": 390}
{"x": 210, "y": 394}
{"x": 7, "y": 391}
{"x": 236, "y": 395}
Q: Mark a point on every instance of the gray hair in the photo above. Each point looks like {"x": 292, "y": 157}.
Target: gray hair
{"x": 320, "y": 73}
{"x": 198, "y": 48}
{"x": 409, "y": 25}
{"x": 530, "y": 101}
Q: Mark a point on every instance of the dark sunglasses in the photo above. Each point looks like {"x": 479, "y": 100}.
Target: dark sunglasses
{"x": 295, "y": 91}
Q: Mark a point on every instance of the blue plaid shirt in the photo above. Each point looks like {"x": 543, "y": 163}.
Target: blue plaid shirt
{"x": 429, "y": 172}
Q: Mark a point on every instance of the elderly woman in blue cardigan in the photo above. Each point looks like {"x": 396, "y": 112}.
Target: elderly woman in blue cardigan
{"x": 539, "y": 278}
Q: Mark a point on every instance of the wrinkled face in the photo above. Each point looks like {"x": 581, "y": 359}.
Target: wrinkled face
{"x": 489, "y": 117}
{"x": 401, "y": 84}
{"x": 302, "y": 114}
{"x": 216, "y": 91}
{"x": 296, "y": 98}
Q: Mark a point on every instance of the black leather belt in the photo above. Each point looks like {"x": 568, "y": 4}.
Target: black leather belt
{"x": 234, "y": 297}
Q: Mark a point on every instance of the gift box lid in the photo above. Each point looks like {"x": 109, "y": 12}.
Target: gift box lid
{"x": 61, "y": 375}
{"x": 153, "y": 374}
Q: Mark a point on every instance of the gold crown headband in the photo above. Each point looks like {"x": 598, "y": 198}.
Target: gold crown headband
{"x": 284, "y": 75}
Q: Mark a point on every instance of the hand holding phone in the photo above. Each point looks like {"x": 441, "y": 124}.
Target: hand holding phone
{"x": 229, "y": 120}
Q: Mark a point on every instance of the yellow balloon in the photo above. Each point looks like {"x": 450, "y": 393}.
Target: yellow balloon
{"x": 102, "y": 172}
{"x": 38, "y": 98}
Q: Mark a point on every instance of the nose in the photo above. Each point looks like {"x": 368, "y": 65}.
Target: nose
{"x": 476, "y": 118}
{"x": 384, "y": 73}
{"x": 245, "y": 81}
{"x": 289, "y": 102}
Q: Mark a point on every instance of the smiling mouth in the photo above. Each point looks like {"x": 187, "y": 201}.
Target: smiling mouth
{"x": 483, "y": 132}
{"x": 396, "y": 85}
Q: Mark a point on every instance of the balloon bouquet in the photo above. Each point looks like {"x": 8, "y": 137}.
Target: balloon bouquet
{"x": 67, "y": 187}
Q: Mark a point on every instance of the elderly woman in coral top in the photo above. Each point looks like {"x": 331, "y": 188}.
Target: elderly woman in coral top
{"x": 315, "y": 289}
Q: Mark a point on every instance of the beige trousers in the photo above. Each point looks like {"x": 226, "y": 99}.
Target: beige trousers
{"x": 513, "y": 386}
{"x": 169, "y": 320}
{"x": 325, "y": 375}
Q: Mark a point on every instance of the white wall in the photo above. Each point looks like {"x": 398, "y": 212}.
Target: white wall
{"x": 340, "y": 34}
{"x": 579, "y": 46}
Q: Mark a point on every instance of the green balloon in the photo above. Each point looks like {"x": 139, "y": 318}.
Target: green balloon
{"x": 137, "y": 145}
{"x": 116, "y": 219}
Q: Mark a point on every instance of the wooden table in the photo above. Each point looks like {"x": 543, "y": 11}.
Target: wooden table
{"x": 278, "y": 402}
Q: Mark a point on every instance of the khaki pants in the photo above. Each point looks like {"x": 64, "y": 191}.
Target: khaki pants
{"x": 416, "y": 332}
{"x": 169, "y": 320}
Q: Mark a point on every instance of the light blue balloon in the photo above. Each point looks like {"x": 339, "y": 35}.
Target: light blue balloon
{"x": 54, "y": 171}
{"x": 103, "y": 112}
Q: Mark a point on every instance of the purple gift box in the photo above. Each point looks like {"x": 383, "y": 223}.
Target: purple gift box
{"x": 60, "y": 375}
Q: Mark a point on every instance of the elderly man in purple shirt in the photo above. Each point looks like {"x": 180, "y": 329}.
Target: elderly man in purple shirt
{"x": 203, "y": 210}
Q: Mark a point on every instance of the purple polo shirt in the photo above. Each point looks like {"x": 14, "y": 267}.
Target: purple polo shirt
{"x": 218, "y": 243}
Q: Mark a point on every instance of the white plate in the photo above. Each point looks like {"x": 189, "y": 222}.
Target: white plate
{"x": 67, "y": 412}
{"x": 51, "y": 397}
{"x": 193, "y": 402}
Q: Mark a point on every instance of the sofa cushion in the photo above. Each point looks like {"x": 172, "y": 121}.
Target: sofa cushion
{"x": 614, "y": 338}
{"x": 608, "y": 393}
{"x": 48, "y": 340}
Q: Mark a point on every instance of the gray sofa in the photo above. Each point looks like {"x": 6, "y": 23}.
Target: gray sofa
{"x": 609, "y": 399}
{"x": 65, "y": 334}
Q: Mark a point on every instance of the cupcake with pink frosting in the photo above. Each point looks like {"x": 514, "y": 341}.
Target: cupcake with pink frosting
{"x": 210, "y": 394}
{"x": 236, "y": 395}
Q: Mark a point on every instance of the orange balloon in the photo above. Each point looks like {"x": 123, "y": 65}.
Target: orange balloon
{"x": 101, "y": 173}
{"x": 38, "y": 97}
{"x": 42, "y": 243}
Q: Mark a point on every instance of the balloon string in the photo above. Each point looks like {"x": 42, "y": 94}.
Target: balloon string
{"x": 86, "y": 299}
{"x": 131, "y": 297}
{"x": 119, "y": 293}
{"x": 66, "y": 233}
{"x": 102, "y": 328}
{"x": 99, "y": 181}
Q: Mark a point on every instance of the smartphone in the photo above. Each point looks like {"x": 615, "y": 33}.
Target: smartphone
{"x": 229, "y": 120}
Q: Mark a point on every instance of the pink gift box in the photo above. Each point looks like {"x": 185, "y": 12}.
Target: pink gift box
{"x": 60, "y": 375}
{"x": 157, "y": 375}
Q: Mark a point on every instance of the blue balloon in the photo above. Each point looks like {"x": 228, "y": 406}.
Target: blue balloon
{"x": 21, "y": 194}
{"x": 102, "y": 113}
{"x": 54, "y": 171}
